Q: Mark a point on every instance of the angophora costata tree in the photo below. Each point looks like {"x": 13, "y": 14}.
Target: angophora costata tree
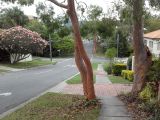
{"x": 81, "y": 58}
{"x": 143, "y": 57}
{"x": 142, "y": 54}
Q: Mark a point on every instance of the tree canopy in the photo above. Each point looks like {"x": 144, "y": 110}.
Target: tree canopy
{"x": 54, "y": 25}
{"x": 18, "y": 40}
{"x": 22, "y": 2}
{"x": 94, "y": 12}
{"x": 39, "y": 27}
{"x": 11, "y": 17}
{"x": 111, "y": 53}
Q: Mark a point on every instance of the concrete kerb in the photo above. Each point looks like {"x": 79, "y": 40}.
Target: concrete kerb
{"x": 43, "y": 66}
{"x": 18, "y": 70}
{"x": 32, "y": 99}
{"x": 10, "y": 69}
{"x": 32, "y": 68}
{"x": 61, "y": 85}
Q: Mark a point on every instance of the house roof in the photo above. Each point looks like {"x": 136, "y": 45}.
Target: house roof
{"x": 153, "y": 35}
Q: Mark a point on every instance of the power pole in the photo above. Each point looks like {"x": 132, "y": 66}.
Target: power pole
{"x": 117, "y": 43}
{"x": 50, "y": 47}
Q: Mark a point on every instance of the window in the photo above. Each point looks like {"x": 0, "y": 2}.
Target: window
{"x": 150, "y": 44}
{"x": 158, "y": 46}
{"x": 145, "y": 42}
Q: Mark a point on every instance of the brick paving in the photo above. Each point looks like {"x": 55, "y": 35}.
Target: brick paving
{"x": 100, "y": 89}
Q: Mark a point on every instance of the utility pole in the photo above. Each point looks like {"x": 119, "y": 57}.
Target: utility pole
{"x": 50, "y": 47}
{"x": 117, "y": 43}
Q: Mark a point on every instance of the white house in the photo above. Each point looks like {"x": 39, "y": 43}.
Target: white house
{"x": 152, "y": 40}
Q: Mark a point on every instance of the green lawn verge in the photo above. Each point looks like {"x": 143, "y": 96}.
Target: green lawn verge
{"x": 94, "y": 66}
{"x": 30, "y": 64}
{"x": 100, "y": 54}
{"x": 54, "y": 106}
{"x": 3, "y": 71}
{"x": 118, "y": 79}
{"x": 77, "y": 79}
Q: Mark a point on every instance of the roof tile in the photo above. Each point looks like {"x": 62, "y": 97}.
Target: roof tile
{"x": 153, "y": 35}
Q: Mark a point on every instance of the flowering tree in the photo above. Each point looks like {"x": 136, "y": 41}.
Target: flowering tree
{"x": 19, "y": 42}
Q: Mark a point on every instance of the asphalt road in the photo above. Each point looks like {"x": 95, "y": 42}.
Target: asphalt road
{"x": 18, "y": 87}
{"x": 26, "y": 84}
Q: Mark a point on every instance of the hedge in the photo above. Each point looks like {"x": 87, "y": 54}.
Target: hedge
{"x": 107, "y": 68}
{"x": 117, "y": 69}
{"x": 128, "y": 74}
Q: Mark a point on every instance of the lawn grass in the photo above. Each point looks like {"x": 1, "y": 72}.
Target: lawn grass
{"x": 100, "y": 54}
{"x": 118, "y": 79}
{"x": 77, "y": 79}
{"x": 54, "y": 106}
{"x": 3, "y": 71}
{"x": 30, "y": 64}
{"x": 94, "y": 66}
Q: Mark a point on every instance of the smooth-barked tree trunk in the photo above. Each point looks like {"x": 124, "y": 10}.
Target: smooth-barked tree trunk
{"x": 78, "y": 41}
{"x": 159, "y": 92}
{"x": 142, "y": 53}
{"x": 82, "y": 60}
{"x": 81, "y": 67}
{"x": 95, "y": 43}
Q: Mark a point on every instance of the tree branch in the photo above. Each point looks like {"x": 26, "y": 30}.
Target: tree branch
{"x": 59, "y": 4}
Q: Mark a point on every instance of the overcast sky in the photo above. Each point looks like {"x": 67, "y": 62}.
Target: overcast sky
{"x": 105, "y": 4}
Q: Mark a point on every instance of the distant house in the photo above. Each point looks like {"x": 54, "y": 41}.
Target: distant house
{"x": 30, "y": 17}
{"x": 152, "y": 40}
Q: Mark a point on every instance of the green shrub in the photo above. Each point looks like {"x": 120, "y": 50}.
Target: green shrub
{"x": 108, "y": 68}
{"x": 124, "y": 74}
{"x": 147, "y": 93}
{"x": 153, "y": 76}
{"x": 110, "y": 53}
{"x": 150, "y": 105}
{"x": 65, "y": 45}
{"x": 154, "y": 108}
{"x": 128, "y": 74}
{"x": 117, "y": 69}
{"x": 154, "y": 73}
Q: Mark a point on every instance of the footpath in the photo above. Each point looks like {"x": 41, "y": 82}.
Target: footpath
{"x": 112, "y": 107}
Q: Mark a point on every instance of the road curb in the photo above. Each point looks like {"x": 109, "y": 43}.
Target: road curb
{"x": 32, "y": 99}
{"x": 32, "y": 68}
{"x": 58, "y": 88}
{"x": 43, "y": 66}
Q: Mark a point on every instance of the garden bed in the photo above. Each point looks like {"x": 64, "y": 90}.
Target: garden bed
{"x": 140, "y": 109}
